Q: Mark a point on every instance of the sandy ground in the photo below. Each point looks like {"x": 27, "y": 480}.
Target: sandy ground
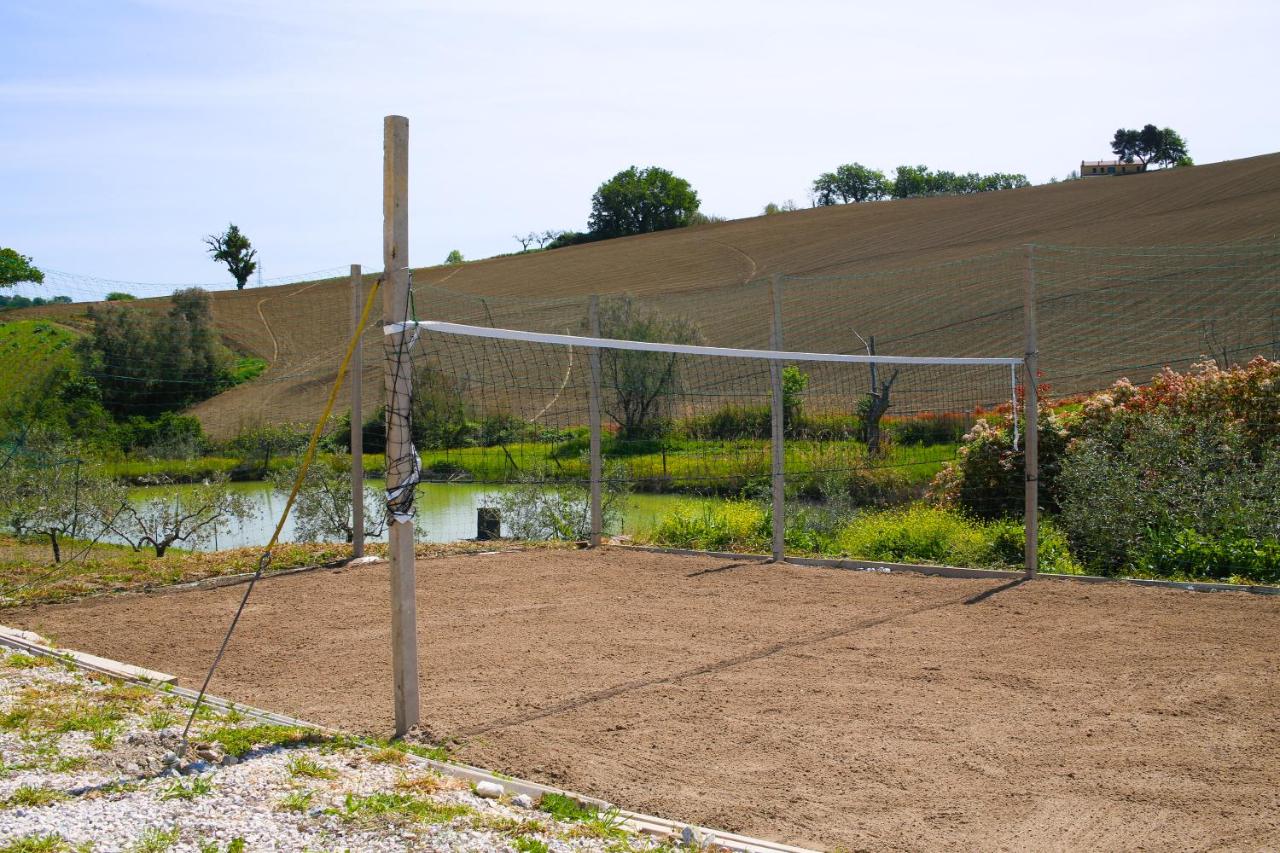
{"x": 819, "y": 707}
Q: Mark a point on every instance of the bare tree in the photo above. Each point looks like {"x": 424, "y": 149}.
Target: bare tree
{"x": 525, "y": 240}
{"x": 187, "y": 514}
{"x": 876, "y": 403}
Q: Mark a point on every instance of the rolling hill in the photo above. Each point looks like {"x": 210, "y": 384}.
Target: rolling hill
{"x": 942, "y": 276}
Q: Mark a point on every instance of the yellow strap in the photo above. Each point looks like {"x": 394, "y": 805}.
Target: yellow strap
{"x": 324, "y": 417}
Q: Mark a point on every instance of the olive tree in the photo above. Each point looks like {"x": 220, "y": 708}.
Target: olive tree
{"x": 322, "y": 510}
{"x": 49, "y": 489}
{"x": 191, "y": 514}
{"x": 639, "y": 387}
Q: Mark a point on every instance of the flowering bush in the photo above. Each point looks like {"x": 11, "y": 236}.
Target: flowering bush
{"x": 987, "y": 477}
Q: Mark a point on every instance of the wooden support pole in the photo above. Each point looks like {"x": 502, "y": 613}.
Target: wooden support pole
{"x": 593, "y": 415}
{"x": 356, "y": 374}
{"x": 778, "y": 427}
{"x": 1032, "y": 419}
{"x": 399, "y": 377}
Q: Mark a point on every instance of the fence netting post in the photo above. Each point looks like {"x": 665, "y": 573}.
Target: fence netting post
{"x": 593, "y": 414}
{"x": 1030, "y": 395}
{"x": 778, "y": 425}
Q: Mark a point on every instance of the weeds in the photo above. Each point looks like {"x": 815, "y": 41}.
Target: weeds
{"x": 297, "y": 801}
{"x": 305, "y": 765}
{"x": 155, "y": 840}
{"x": 238, "y": 741}
{"x": 31, "y": 796}
{"x": 379, "y": 807}
{"x": 51, "y": 843}
{"x": 160, "y": 719}
{"x": 200, "y": 785}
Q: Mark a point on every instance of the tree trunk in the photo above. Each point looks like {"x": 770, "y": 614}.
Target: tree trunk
{"x": 57, "y": 551}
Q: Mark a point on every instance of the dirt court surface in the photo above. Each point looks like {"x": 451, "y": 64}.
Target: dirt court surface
{"x": 819, "y": 707}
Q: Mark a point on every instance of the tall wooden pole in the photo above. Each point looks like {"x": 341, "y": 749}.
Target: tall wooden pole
{"x": 778, "y": 427}
{"x": 399, "y": 453}
{"x": 1030, "y": 395}
{"x": 356, "y": 373}
{"x": 593, "y": 415}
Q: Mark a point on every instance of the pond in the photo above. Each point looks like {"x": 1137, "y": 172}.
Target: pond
{"x": 446, "y": 512}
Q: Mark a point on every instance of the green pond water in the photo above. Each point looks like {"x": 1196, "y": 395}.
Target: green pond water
{"x": 446, "y": 511}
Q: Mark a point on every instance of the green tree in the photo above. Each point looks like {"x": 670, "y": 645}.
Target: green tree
{"x": 1150, "y": 146}
{"x": 638, "y": 201}
{"x": 120, "y": 296}
{"x": 852, "y": 182}
{"x": 323, "y": 508}
{"x": 794, "y": 383}
{"x": 233, "y": 249}
{"x": 49, "y": 489}
{"x": 639, "y": 387}
{"x": 147, "y": 363}
{"x": 15, "y": 268}
{"x": 454, "y": 258}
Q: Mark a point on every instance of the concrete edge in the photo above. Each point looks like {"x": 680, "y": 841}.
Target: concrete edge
{"x": 956, "y": 571}
{"x": 106, "y": 666}
{"x": 32, "y": 643}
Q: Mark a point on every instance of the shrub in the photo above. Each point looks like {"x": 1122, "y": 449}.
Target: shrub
{"x": 730, "y": 423}
{"x": 915, "y": 534}
{"x": 927, "y": 428}
{"x": 727, "y": 526}
{"x": 1186, "y": 553}
{"x": 1147, "y": 486}
{"x": 986, "y": 479}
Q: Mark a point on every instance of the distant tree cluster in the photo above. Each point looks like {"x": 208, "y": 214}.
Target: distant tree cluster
{"x": 1151, "y": 146}
{"x": 143, "y": 361}
{"x": 854, "y": 183}
{"x": 28, "y": 301}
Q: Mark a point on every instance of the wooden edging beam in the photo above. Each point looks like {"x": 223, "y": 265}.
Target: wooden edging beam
{"x": 30, "y": 643}
{"x": 957, "y": 571}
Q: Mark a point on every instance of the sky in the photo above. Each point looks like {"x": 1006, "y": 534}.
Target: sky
{"x": 131, "y": 129}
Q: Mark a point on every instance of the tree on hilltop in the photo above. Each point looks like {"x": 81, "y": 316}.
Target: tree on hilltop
{"x": 15, "y": 268}
{"x": 638, "y": 201}
{"x": 1150, "y": 146}
{"x": 852, "y": 182}
{"x": 234, "y": 249}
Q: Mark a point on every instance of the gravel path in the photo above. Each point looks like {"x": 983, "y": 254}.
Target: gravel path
{"x": 87, "y": 763}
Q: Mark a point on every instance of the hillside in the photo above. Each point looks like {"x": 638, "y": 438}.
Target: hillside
{"x": 913, "y": 272}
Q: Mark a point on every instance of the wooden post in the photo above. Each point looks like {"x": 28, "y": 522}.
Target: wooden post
{"x": 356, "y": 372}
{"x": 399, "y": 370}
{"x": 777, "y": 427}
{"x": 593, "y": 415}
{"x": 1030, "y": 395}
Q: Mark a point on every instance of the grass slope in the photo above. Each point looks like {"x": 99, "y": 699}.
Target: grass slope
{"x": 29, "y": 351}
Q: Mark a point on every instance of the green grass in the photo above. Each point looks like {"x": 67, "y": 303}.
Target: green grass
{"x": 305, "y": 765}
{"x": 381, "y": 807}
{"x": 238, "y": 741}
{"x": 917, "y": 533}
{"x": 689, "y": 465}
{"x": 296, "y": 801}
{"x": 155, "y": 840}
{"x": 247, "y": 367}
{"x": 41, "y": 843}
{"x": 200, "y": 785}
{"x": 31, "y": 796}
{"x": 30, "y": 350}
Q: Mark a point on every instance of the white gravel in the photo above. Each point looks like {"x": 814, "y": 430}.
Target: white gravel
{"x": 114, "y": 792}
